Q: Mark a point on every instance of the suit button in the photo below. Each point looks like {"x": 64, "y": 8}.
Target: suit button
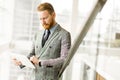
{"x": 36, "y": 46}
{"x": 50, "y": 47}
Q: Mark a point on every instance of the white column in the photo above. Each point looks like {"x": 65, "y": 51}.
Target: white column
{"x": 8, "y": 19}
{"x": 74, "y": 17}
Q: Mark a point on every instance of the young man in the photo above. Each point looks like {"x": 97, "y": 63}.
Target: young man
{"x": 50, "y": 47}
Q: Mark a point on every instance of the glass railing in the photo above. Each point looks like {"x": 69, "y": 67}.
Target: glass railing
{"x": 98, "y": 5}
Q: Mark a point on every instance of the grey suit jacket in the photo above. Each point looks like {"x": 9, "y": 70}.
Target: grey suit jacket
{"x": 52, "y": 55}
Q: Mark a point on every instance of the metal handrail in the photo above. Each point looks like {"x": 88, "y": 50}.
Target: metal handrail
{"x": 86, "y": 26}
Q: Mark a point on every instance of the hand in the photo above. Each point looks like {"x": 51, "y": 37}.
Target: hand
{"x": 34, "y": 60}
{"x": 16, "y": 62}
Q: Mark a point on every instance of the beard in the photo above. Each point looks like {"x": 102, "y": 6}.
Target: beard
{"x": 48, "y": 26}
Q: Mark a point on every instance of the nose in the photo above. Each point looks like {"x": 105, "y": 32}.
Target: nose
{"x": 42, "y": 21}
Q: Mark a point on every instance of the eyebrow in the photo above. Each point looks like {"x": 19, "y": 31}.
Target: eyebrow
{"x": 44, "y": 17}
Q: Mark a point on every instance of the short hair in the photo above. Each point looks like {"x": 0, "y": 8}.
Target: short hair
{"x": 45, "y": 6}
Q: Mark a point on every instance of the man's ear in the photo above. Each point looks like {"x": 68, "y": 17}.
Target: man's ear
{"x": 53, "y": 14}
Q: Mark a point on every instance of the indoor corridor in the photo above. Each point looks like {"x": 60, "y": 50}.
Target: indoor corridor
{"x": 95, "y": 31}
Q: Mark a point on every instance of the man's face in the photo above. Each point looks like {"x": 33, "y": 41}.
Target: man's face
{"x": 46, "y": 19}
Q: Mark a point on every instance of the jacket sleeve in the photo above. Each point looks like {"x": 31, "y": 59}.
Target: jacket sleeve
{"x": 33, "y": 48}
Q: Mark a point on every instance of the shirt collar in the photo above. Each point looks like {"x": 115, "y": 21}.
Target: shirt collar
{"x": 52, "y": 29}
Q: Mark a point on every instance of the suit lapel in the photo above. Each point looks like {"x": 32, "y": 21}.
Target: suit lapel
{"x": 40, "y": 37}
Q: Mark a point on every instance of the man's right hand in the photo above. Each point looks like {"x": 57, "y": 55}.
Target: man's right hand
{"x": 16, "y": 62}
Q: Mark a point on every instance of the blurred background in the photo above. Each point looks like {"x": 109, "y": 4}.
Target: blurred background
{"x": 97, "y": 57}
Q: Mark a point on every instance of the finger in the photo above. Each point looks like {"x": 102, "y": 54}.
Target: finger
{"x": 32, "y": 58}
{"x": 14, "y": 58}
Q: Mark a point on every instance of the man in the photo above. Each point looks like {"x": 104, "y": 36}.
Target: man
{"x": 49, "y": 54}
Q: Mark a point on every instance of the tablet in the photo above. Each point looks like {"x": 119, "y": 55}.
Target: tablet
{"x": 24, "y": 60}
